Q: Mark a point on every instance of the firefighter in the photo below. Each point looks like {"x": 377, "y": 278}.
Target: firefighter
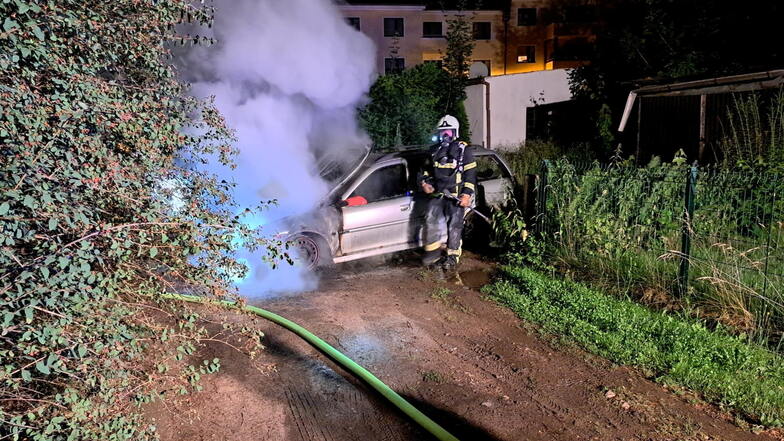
{"x": 449, "y": 180}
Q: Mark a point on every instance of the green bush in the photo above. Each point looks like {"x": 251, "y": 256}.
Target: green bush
{"x": 101, "y": 210}
{"x": 405, "y": 107}
{"x": 677, "y": 350}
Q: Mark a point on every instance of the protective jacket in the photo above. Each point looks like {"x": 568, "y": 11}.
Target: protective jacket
{"x": 452, "y": 169}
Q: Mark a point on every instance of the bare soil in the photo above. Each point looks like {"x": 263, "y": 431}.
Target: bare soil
{"x": 472, "y": 366}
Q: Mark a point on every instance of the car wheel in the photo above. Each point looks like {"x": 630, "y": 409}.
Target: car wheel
{"x": 309, "y": 251}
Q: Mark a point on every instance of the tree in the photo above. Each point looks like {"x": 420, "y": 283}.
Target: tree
{"x": 457, "y": 60}
{"x": 404, "y": 108}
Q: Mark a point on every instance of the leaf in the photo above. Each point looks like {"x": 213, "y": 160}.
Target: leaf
{"x": 38, "y": 32}
{"x": 45, "y": 272}
{"x": 82, "y": 351}
{"x": 42, "y": 368}
{"x": 9, "y": 24}
{"x": 52, "y": 223}
{"x": 4, "y": 208}
{"x": 153, "y": 252}
{"x": 26, "y": 376}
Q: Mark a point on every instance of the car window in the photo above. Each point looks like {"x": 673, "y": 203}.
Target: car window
{"x": 384, "y": 183}
{"x": 487, "y": 168}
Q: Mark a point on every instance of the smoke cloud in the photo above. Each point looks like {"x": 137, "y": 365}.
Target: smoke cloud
{"x": 287, "y": 76}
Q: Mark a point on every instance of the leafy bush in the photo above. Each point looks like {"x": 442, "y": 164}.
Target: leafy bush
{"x": 405, "y": 107}
{"x": 676, "y": 350}
{"x": 101, "y": 210}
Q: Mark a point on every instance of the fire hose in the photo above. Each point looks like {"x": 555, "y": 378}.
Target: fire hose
{"x": 449, "y": 195}
{"x": 338, "y": 357}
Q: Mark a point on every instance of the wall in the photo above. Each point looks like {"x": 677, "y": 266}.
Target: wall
{"x": 510, "y": 96}
{"x": 415, "y": 48}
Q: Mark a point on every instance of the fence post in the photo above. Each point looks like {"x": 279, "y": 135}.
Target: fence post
{"x": 689, "y": 196}
{"x": 541, "y": 198}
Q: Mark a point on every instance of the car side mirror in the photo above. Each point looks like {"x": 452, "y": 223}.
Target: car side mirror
{"x": 341, "y": 204}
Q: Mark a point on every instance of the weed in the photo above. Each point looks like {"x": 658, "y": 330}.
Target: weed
{"x": 441, "y": 293}
{"x": 432, "y": 377}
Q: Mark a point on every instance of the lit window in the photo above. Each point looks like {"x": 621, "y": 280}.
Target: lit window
{"x": 432, "y": 29}
{"x": 353, "y": 21}
{"x": 394, "y": 65}
{"x": 482, "y": 30}
{"x": 526, "y": 16}
{"x": 526, "y": 54}
{"x": 393, "y": 27}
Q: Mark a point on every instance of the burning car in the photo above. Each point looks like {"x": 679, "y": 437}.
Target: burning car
{"x": 375, "y": 207}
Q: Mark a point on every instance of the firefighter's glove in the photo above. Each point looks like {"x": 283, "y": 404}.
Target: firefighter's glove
{"x": 464, "y": 201}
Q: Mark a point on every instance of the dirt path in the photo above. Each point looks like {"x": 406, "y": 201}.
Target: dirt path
{"x": 469, "y": 364}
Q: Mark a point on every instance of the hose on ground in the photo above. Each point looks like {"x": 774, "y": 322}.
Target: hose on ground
{"x": 338, "y": 357}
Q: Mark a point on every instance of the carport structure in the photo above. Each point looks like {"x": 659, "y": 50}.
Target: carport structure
{"x": 689, "y": 115}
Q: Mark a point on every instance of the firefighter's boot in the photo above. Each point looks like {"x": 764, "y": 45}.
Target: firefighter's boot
{"x": 431, "y": 257}
{"x": 450, "y": 263}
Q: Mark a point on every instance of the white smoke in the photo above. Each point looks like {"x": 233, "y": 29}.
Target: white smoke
{"x": 287, "y": 76}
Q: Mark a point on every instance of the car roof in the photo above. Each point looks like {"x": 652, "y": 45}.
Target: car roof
{"x": 418, "y": 150}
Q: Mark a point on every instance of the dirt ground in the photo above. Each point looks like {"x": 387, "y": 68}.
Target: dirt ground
{"x": 470, "y": 365}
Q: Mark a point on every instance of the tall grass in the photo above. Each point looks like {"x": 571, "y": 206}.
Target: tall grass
{"x": 754, "y": 131}
{"x": 621, "y": 227}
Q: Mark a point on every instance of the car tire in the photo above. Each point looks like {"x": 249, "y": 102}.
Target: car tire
{"x": 311, "y": 250}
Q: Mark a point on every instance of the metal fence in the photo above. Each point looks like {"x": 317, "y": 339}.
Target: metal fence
{"x": 709, "y": 235}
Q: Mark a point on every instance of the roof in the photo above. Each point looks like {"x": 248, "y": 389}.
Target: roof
{"x": 735, "y": 83}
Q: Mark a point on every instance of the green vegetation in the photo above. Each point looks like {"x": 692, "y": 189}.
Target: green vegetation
{"x": 404, "y": 108}
{"x": 679, "y": 350}
{"x": 621, "y": 227}
{"x": 101, "y": 211}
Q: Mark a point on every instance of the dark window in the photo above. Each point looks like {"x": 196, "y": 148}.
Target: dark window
{"x": 487, "y": 168}
{"x": 526, "y": 16}
{"x": 353, "y": 21}
{"x": 393, "y": 27}
{"x": 482, "y": 30}
{"x": 394, "y": 65}
{"x": 432, "y": 29}
{"x": 526, "y": 54}
{"x": 384, "y": 183}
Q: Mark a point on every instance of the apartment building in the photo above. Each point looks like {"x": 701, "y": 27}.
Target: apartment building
{"x": 512, "y": 36}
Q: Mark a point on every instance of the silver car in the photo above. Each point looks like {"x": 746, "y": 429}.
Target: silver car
{"x": 391, "y": 213}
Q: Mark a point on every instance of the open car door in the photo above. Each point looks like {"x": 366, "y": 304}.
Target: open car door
{"x": 378, "y": 209}
{"x": 494, "y": 181}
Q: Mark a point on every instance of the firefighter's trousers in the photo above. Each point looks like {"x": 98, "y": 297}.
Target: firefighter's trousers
{"x": 444, "y": 213}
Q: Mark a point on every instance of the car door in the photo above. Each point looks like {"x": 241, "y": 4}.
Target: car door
{"x": 380, "y": 209}
{"x": 494, "y": 181}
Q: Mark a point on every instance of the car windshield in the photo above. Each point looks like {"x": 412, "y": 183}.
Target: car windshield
{"x": 333, "y": 168}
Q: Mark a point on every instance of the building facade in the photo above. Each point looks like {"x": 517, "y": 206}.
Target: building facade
{"x": 524, "y": 36}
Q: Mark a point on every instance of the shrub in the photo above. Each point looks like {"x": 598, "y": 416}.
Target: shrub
{"x": 101, "y": 210}
{"x": 405, "y": 107}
